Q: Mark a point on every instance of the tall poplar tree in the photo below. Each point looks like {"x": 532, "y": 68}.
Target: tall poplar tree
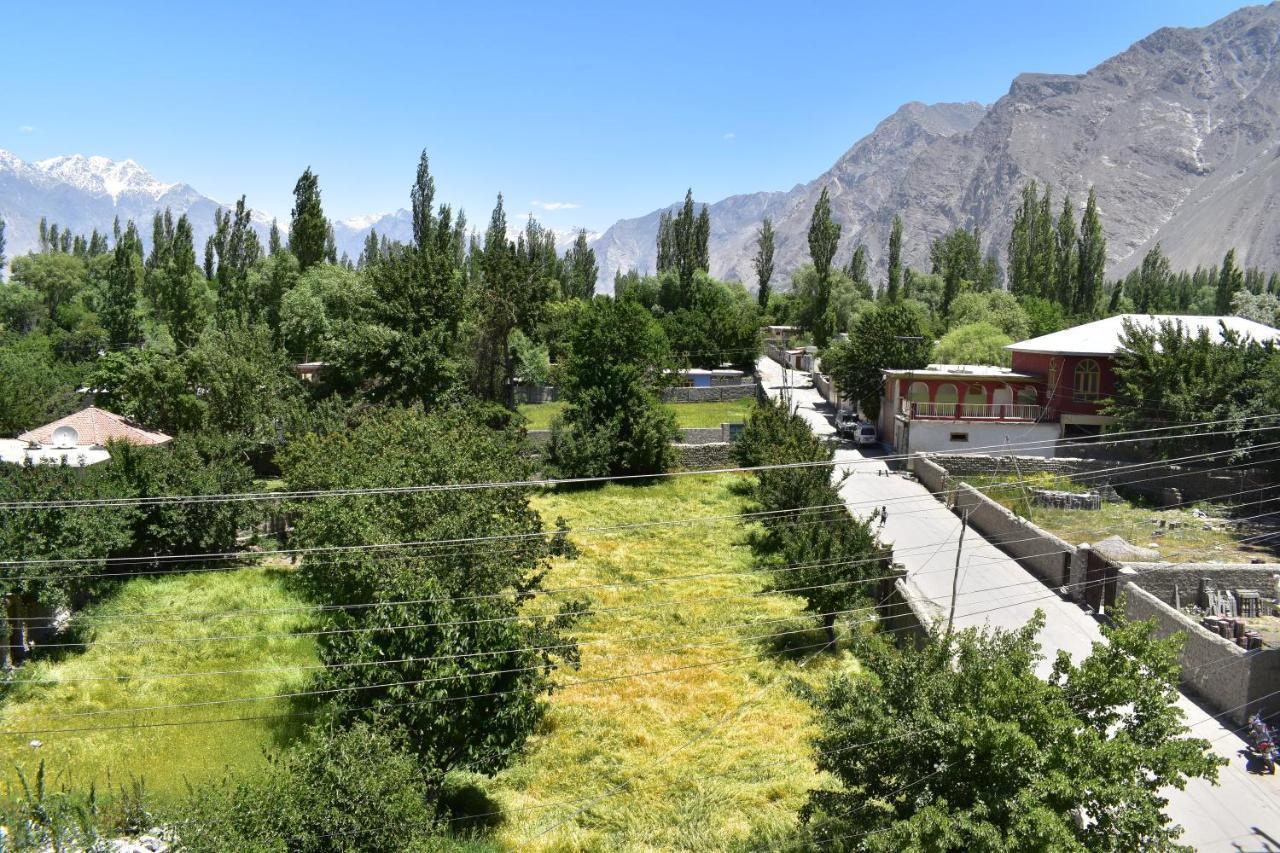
{"x": 309, "y": 230}
{"x": 119, "y": 312}
{"x": 179, "y": 291}
{"x": 763, "y": 261}
{"x": 580, "y": 269}
{"x": 857, "y": 272}
{"x": 1091, "y": 260}
{"x": 824, "y": 238}
{"x": 1230, "y": 279}
{"x": 894, "y": 285}
{"x": 1065, "y": 261}
{"x": 2, "y": 255}
{"x": 274, "y": 240}
{"x": 683, "y": 244}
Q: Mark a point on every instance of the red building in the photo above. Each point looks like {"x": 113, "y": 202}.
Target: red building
{"x": 1055, "y": 388}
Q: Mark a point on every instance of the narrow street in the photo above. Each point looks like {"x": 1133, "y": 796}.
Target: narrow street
{"x": 1241, "y": 813}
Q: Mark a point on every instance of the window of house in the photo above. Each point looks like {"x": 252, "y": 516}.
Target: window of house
{"x": 1027, "y": 395}
{"x": 975, "y": 401}
{"x": 1088, "y": 379}
{"x": 1053, "y": 378}
{"x": 918, "y": 392}
{"x": 960, "y": 436}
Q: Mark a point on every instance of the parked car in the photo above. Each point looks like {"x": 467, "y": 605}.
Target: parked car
{"x": 847, "y": 424}
{"x": 866, "y": 434}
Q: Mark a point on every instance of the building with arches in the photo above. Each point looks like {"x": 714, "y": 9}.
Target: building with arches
{"x": 1056, "y": 388}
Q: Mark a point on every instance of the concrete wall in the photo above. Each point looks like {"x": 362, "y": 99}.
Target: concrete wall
{"x": 1228, "y": 678}
{"x": 536, "y": 393}
{"x": 1039, "y": 551}
{"x": 688, "y": 435}
{"x": 710, "y": 394}
{"x": 827, "y": 388}
{"x": 925, "y": 436}
{"x": 1159, "y": 579}
{"x": 930, "y": 474}
{"x": 693, "y": 457}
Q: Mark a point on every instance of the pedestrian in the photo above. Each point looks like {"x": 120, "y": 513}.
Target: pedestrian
{"x": 884, "y": 516}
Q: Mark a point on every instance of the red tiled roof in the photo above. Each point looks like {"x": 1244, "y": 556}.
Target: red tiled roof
{"x": 96, "y": 427}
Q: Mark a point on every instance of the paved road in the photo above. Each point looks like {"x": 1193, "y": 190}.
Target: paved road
{"x": 1241, "y": 813}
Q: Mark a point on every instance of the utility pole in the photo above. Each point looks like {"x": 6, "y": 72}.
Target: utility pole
{"x": 955, "y": 575}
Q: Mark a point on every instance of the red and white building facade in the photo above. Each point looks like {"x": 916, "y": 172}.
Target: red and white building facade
{"x": 1055, "y": 388}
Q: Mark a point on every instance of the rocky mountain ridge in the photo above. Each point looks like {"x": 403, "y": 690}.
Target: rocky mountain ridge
{"x": 1179, "y": 135}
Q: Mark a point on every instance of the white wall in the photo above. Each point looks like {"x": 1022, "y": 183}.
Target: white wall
{"x": 935, "y": 437}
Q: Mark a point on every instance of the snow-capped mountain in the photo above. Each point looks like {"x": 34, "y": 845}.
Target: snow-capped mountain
{"x": 83, "y": 193}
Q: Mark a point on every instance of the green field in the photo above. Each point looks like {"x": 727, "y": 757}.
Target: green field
{"x": 707, "y": 758}
{"x": 540, "y": 415}
{"x": 93, "y": 690}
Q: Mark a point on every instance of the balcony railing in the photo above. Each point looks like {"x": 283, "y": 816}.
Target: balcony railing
{"x": 972, "y": 411}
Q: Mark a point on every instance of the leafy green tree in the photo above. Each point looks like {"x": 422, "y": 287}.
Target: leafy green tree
{"x": 763, "y": 262}
{"x": 976, "y": 343}
{"x": 308, "y": 229}
{"x": 268, "y": 282}
{"x": 244, "y": 381}
{"x": 231, "y": 252}
{"x": 581, "y": 269}
{"x": 275, "y": 242}
{"x": 997, "y": 307}
{"x": 613, "y": 423}
{"x": 1044, "y": 315}
{"x": 825, "y": 558}
{"x": 1230, "y": 281}
{"x": 995, "y": 758}
{"x": 35, "y": 385}
{"x": 338, "y": 791}
{"x": 957, "y": 257}
{"x": 449, "y": 656}
{"x": 58, "y": 278}
{"x": 1261, "y": 308}
{"x": 1091, "y": 260}
{"x": 1151, "y": 287}
{"x": 824, "y": 238}
{"x": 842, "y": 299}
{"x": 3, "y": 258}
{"x": 1166, "y": 377}
{"x": 181, "y": 296}
{"x": 893, "y": 287}
{"x": 21, "y": 309}
{"x": 150, "y": 387}
{"x": 710, "y": 323}
{"x": 891, "y": 335}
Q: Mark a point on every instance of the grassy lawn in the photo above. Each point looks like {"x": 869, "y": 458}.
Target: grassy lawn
{"x": 540, "y": 415}
{"x": 166, "y": 757}
{"x": 710, "y": 758}
{"x": 1184, "y": 537}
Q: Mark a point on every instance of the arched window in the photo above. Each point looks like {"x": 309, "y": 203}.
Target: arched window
{"x": 1088, "y": 380}
{"x": 918, "y": 392}
{"x": 1002, "y": 402}
{"x": 1027, "y": 395}
{"x": 1053, "y": 380}
{"x": 975, "y": 401}
{"x": 945, "y": 400}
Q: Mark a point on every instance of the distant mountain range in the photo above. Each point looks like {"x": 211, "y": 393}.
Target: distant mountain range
{"x": 84, "y": 193}
{"x": 1179, "y": 135}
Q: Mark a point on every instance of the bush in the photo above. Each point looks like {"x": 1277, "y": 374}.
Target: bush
{"x": 345, "y": 790}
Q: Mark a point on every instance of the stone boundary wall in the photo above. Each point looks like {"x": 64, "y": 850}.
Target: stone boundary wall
{"x": 536, "y": 394}
{"x": 1194, "y": 484}
{"x": 1159, "y": 579}
{"x": 1226, "y": 676}
{"x": 1043, "y": 554}
{"x": 696, "y": 457}
{"x": 709, "y": 394}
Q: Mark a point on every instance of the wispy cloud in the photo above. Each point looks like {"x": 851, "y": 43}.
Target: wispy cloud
{"x": 730, "y": 136}
{"x": 26, "y": 128}
{"x": 555, "y": 205}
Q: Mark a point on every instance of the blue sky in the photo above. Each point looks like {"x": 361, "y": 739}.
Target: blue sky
{"x": 613, "y": 108}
